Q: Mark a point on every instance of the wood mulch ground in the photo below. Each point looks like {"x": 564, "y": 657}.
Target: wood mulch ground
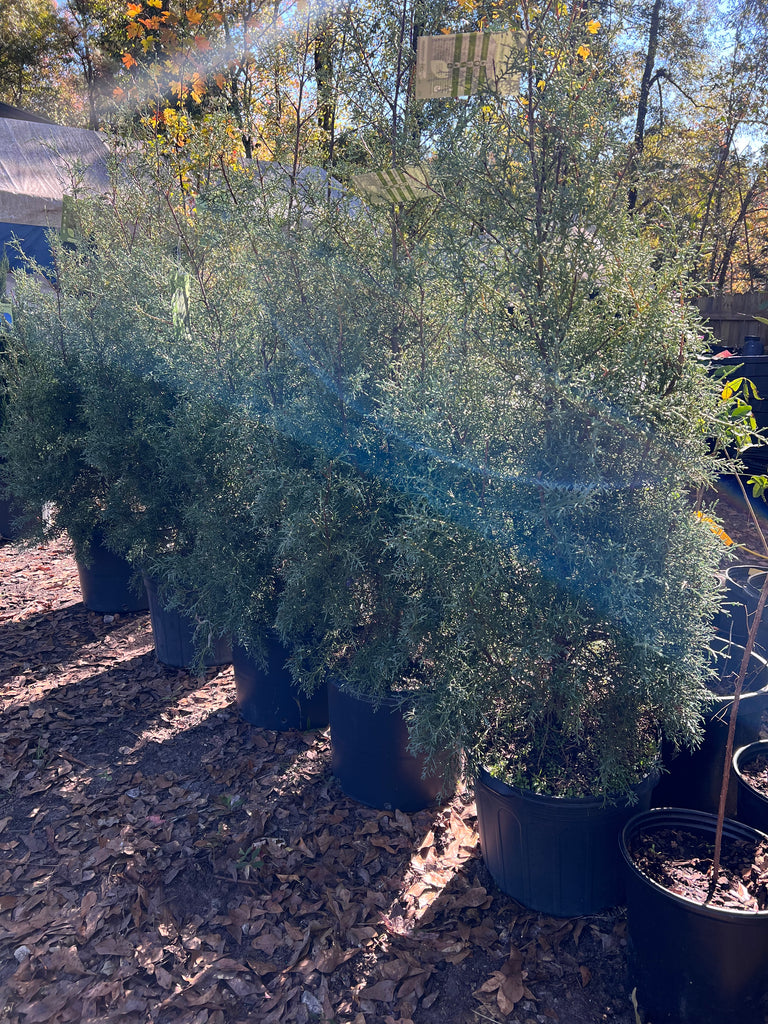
{"x": 161, "y": 860}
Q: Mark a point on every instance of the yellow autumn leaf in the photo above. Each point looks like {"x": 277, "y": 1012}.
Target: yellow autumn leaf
{"x": 155, "y": 3}
{"x": 583, "y": 51}
{"x": 593, "y": 26}
{"x": 541, "y": 84}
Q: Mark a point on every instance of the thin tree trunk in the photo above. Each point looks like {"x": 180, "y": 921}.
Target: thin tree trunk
{"x": 731, "y": 243}
{"x": 645, "y": 91}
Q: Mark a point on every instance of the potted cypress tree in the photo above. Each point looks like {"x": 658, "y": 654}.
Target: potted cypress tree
{"x": 565, "y": 415}
{"x": 44, "y": 444}
{"x": 347, "y": 615}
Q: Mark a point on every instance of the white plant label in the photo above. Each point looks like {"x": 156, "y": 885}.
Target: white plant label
{"x": 463, "y": 64}
{"x": 396, "y": 185}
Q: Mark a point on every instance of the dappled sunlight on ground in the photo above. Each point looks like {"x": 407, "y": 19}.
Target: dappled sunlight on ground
{"x": 161, "y": 860}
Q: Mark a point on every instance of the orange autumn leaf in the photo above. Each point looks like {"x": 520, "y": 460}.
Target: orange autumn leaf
{"x": 202, "y": 43}
{"x": 134, "y": 30}
{"x": 133, "y": 9}
{"x": 128, "y": 60}
{"x": 194, "y": 17}
{"x": 220, "y": 80}
{"x": 718, "y": 531}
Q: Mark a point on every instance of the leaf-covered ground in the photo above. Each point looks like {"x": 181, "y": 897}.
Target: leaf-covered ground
{"x": 161, "y": 860}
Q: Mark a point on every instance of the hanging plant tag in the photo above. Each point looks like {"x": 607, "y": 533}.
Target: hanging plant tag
{"x": 396, "y": 185}
{"x": 464, "y": 64}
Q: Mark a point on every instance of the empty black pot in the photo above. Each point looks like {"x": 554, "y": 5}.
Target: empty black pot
{"x": 743, "y": 585}
{"x": 370, "y": 755}
{"x": 267, "y": 696}
{"x": 692, "y": 963}
{"x": 693, "y": 779}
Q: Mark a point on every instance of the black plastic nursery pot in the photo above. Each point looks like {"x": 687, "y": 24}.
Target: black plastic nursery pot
{"x": 267, "y": 696}
{"x": 370, "y": 755}
{"x": 8, "y": 516}
{"x": 105, "y": 582}
{"x": 754, "y": 368}
{"x": 751, "y": 803}
{"x": 692, "y": 963}
{"x": 693, "y": 779}
{"x": 174, "y": 636}
{"x": 743, "y": 584}
{"x": 13, "y": 520}
{"x": 9, "y": 513}
{"x": 556, "y": 855}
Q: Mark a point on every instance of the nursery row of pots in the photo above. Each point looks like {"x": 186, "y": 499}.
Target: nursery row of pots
{"x": 371, "y": 758}
{"x": 331, "y": 427}
{"x": 559, "y": 856}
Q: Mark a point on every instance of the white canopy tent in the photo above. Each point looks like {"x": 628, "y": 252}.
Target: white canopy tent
{"x": 39, "y": 164}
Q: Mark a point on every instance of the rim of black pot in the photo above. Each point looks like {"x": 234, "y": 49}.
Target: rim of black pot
{"x": 702, "y": 821}
{"x": 391, "y": 701}
{"x": 748, "y": 753}
{"x": 734, "y": 572}
{"x": 504, "y": 788}
{"x": 722, "y": 701}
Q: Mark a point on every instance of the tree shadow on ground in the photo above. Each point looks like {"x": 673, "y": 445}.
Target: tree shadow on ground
{"x": 83, "y": 724}
{"x": 56, "y": 636}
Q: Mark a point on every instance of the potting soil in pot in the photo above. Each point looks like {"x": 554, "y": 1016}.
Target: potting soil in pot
{"x": 756, "y": 773}
{"x": 693, "y": 961}
{"x": 681, "y": 861}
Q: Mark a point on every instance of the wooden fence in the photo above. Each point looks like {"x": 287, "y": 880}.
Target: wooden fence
{"x": 731, "y": 317}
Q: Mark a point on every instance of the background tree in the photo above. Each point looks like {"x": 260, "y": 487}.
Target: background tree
{"x": 32, "y": 51}
{"x": 94, "y": 30}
